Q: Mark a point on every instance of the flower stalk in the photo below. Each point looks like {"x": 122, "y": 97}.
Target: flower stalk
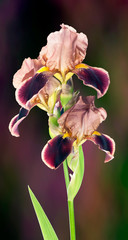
{"x": 70, "y": 204}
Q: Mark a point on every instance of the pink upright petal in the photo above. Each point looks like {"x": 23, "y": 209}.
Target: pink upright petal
{"x": 27, "y": 70}
{"x": 83, "y": 118}
{"x": 94, "y": 77}
{"x": 14, "y": 123}
{"x": 56, "y": 151}
{"x": 64, "y": 49}
{"x": 106, "y": 144}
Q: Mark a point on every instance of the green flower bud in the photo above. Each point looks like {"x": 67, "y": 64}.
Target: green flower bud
{"x": 53, "y": 121}
{"x": 67, "y": 92}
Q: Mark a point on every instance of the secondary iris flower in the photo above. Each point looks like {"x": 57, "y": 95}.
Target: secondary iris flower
{"x": 78, "y": 124}
{"x": 33, "y": 88}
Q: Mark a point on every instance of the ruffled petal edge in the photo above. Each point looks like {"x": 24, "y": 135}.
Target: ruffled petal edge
{"x": 97, "y": 78}
{"x": 105, "y": 143}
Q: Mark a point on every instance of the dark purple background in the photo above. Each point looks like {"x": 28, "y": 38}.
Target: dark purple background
{"x": 101, "y": 207}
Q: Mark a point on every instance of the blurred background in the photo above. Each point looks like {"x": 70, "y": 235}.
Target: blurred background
{"x": 101, "y": 206}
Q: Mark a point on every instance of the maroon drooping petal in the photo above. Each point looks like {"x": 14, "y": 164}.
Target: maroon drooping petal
{"x": 94, "y": 77}
{"x": 16, "y": 120}
{"x": 56, "y": 151}
{"x": 31, "y": 87}
{"x": 106, "y": 144}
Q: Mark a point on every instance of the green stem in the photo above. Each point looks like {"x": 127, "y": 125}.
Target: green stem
{"x": 66, "y": 175}
{"x": 70, "y": 205}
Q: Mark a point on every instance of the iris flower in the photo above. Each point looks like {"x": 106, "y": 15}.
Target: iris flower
{"x": 33, "y": 89}
{"x": 63, "y": 56}
{"x": 39, "y": 81}
{"x": 78, "y": 124}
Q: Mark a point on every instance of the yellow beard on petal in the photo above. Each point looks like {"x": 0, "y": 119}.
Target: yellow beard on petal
{"x": 66, "y": 135}
{"x": 43, "y": 69}
{"x": 96, "y": 133}
{"x": 82, "y": 65}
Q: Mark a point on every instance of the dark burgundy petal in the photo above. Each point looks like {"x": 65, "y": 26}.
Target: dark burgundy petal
{"x": 106, "y": 144}
{"x": 31, "y": 87}
{"x": 94, "y": 77}
{"x": 56, "y": 151}
{"x": 16, "y": 120}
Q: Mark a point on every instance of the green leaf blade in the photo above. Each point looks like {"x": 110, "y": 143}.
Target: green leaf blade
{"x": 45, "y": 225}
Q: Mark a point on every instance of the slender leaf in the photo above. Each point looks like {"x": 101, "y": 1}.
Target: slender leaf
{"x": 46, "y": 227}
{"x": 77, "y": 176}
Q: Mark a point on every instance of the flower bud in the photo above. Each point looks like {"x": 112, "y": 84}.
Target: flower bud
{"x": 53, "y": 121}
{"x": 67, "y": 92}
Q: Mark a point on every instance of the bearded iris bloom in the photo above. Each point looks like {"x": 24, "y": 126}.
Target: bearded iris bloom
{"x": 78, "y": 124}
{"x": 33, "y": 89}
{"x": 45, "y": 98}
{"x": 63, "y": 56}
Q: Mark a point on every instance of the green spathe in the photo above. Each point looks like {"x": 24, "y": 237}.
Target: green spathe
{"x": 77, "y": 176}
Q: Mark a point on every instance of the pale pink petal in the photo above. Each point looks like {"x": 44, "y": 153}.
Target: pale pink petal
{"x": 27, "y": 70}
{"x": 83, "y": 118}
{"x": 65, "y": 49}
